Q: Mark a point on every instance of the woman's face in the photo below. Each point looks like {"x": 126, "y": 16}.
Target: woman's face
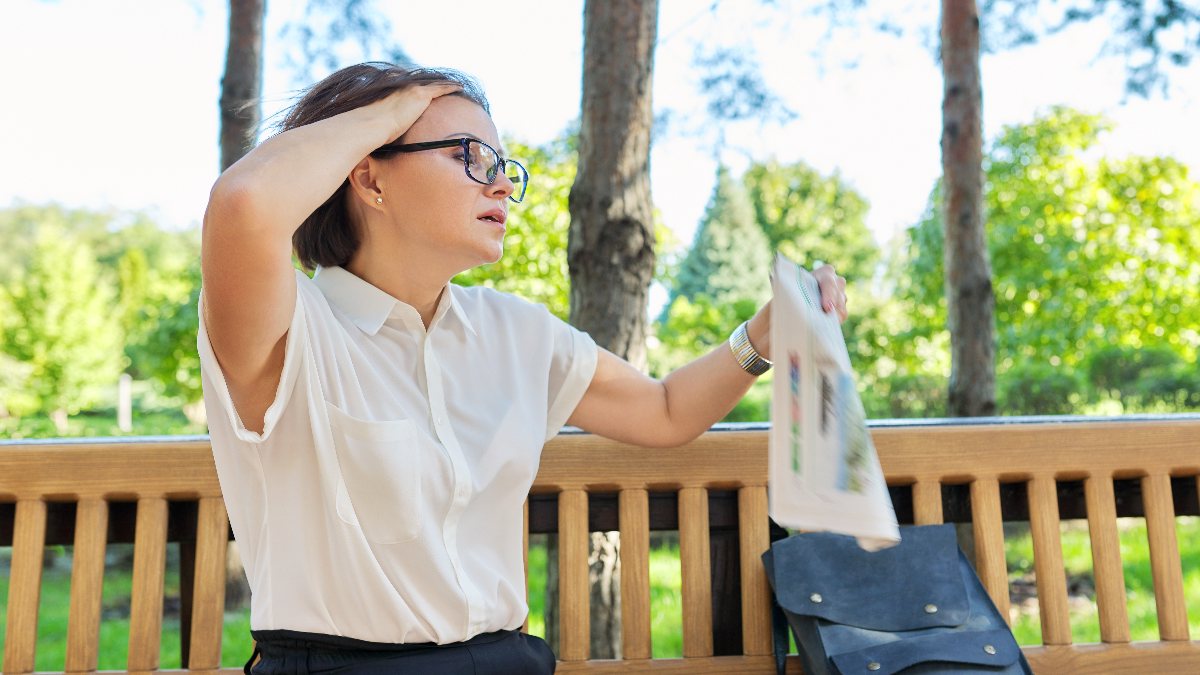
{"x": 433, "y": 206}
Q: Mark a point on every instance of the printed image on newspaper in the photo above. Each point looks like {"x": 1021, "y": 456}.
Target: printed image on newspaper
{"x": 824, "y": 473}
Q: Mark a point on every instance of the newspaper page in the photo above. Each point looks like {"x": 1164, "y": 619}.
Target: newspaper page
{"x": 824, "y": 473}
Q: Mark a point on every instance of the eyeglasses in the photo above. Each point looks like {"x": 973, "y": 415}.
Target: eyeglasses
{"x": 480, "y": 161}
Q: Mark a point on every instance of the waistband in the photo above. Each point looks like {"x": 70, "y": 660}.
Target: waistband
{"x": 292, "y": 639}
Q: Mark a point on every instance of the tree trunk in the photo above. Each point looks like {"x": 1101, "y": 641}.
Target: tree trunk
{"x": 241, "y": 86}
{"x": 969, "y": 299}
{"x": 610, "y": 247}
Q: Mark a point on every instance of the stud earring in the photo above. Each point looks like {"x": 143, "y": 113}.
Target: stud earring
{"x": 379, "y": 200}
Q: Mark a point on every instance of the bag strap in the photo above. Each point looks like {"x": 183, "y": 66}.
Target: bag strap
{"x": 779, "y": 634}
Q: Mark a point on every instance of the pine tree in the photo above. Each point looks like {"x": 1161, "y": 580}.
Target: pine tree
{"x": 730, "y": 258}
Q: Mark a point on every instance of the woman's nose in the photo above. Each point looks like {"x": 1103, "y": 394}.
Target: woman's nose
{"x": 502, "y": 187}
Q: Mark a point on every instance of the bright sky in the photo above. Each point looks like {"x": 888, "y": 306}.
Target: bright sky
{"x": 114, "y": 103}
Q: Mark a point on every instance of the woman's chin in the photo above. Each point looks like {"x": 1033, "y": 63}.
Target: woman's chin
{"x": 492, "y": 253}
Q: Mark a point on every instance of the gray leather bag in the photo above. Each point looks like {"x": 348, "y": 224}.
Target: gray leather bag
{"x": 917, "y": 607}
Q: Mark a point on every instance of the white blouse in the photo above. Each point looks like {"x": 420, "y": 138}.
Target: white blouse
{"x": 383, "y": 500}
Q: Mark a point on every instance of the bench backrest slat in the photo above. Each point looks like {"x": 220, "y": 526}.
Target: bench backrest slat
{"x": 754, "y": 537}
{"x": 633, "y": 506}
{"x": 25, "y": 585}
{"x": 1045, "y": 530}
{"x": 87, "y": 585}
{"x": 989, "y": 541}
{"x": 695, "y": 569}
{"x": 1106, "y": 558}
{"x": 208, "y": 596}
{"x": 927, "y": 502}
{"x": 574, "y": 602}
{"x": 149, "y": 565}
{"x": 1164, "y": 556}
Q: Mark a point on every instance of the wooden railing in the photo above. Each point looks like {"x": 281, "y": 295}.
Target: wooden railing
{"x": 712, "y": 491}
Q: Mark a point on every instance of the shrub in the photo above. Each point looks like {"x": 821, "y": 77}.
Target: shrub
{"x": 1039, "y": 389}
{"x": 1114, "y": 371}
{"x": 899, "y": 396}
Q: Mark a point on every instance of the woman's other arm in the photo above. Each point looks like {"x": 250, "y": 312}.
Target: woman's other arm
{"x": 624, "y": 404}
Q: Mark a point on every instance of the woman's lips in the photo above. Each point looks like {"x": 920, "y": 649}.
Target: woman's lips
{"x": 495, "y": 215}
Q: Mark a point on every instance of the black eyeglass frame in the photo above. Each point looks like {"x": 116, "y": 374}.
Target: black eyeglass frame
{"x": 465, "y": 144}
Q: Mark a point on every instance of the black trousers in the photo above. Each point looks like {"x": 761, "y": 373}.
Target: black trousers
{"x": 507, "y": 652}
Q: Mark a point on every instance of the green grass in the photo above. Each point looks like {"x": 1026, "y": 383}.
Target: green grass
{"x": 666, "y": 603}
{"x": 666, "y": 621}
{"x": 114, "y": 626}
{"x": 666, "y": 609}
{"x": 1139, "y": 582}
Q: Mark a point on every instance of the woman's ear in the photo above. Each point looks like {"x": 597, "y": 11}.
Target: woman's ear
{"x": 364, "y": 182}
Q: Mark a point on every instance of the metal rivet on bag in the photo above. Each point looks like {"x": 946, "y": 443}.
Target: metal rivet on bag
{"x": 874, "y": 665}
{"x": 989, "y": 649}
{"x": 931, "y": 608}
{"x": 816, "y": 597}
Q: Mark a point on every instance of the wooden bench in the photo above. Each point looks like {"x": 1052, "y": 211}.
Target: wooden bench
{"x": 713, "y": 491}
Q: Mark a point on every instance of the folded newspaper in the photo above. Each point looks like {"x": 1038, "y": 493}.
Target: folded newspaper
{"x": 824, "y": 473}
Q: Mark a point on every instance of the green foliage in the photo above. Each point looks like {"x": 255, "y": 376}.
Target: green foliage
{"x": 812, "y": 218}
{"x": 1154, "y": 378}
{"x": 102, "y": 423}
{"x": 162, "y": 342}
{"x": 755, "y": 406}
{"x": 20, "y": 225}
{"x": 730, "y": 258}
{"x": 152, "y": 277}
{"x": 1039, "y": 389}
{"x": 1114, "y": 370}
{"x": 1086, "y": 252}
{"x": 58, "y": 322}
{"x": 159, "y": 275}
{"x": 534, "y": 265}
{"x": 691, "y": 328}
{"x": 1170, "y": 388}
{"x": 905, "y": 395}
{"x": 809, "y": 217}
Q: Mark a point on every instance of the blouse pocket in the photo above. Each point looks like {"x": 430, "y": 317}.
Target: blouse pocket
{"x": 380, "y": 487}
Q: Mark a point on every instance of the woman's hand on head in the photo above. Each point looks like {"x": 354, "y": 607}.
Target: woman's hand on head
{"x": 407, "y": 105}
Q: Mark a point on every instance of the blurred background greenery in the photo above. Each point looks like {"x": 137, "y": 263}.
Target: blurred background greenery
{"x": 1096, "y": 270}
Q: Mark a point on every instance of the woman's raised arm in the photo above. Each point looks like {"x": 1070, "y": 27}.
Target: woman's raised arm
{"x": 254, "y": 208}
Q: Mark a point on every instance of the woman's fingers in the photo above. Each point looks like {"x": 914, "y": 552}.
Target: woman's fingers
{"x": 833, "y": 291}
{"x": 410, "y": 103}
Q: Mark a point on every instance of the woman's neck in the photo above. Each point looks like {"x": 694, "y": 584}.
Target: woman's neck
{"x": 406, "y": 281}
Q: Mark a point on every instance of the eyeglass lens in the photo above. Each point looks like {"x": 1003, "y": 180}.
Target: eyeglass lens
{"x": 483, "y": 163}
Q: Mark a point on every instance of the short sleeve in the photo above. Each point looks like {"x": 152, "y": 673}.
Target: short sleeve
{"x": 572, "y": 365}
{"x": 216, "y": 389}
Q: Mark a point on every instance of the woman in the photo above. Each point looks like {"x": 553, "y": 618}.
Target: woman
{"x": 376, "y": 429}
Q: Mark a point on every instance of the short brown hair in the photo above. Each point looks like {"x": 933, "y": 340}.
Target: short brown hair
{"x": 328, "y": 237}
